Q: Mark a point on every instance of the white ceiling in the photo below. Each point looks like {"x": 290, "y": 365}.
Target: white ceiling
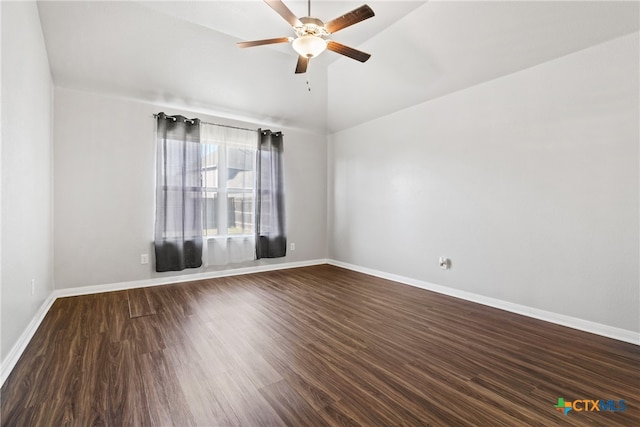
{"x": 183, "y": 53}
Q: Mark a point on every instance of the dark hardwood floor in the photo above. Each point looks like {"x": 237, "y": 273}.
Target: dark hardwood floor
{"x": 309, "y": 347}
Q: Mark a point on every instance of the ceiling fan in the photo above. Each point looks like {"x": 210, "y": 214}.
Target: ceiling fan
{"x": 311, "y": 32}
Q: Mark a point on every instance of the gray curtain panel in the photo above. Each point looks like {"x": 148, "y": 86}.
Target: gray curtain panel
{"x": 178, "y": 228}
{"x": 271, "y": 240}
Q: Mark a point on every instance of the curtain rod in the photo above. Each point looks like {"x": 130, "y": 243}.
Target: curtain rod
{"x": 217, "y": 124}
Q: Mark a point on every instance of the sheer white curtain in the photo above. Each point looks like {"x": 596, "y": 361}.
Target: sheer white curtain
{"x": 228, "y": 182}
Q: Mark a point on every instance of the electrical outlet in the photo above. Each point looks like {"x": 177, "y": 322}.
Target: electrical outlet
{"x": 144, "y": 259}
{"x": 292, "y": 246}
{"x": 444, "y": 263}
{"x": 33, "y": 287}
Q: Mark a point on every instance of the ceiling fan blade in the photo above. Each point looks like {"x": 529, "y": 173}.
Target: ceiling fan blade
{"x": 301, "y": 67}
{"x": 349, "y": 18}
{"x": 282, "y": 10}
{"x": 265, "y": 41}
{"x": 356, "y": 54}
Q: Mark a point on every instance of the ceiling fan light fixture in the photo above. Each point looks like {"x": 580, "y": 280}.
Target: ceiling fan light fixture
{"x": 309, "y": 46}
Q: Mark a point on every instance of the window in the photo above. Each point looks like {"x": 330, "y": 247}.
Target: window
{"x": 208, "y": 187}
{"x": 228, "y": 181}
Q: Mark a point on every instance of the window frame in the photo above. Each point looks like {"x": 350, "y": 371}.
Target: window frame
{"x": 222, "y": 191}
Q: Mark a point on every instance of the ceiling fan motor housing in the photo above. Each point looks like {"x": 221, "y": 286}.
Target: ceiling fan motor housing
{"x": 311, "y": 27}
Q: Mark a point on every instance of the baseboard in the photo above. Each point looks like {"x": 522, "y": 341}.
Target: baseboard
{"x": 16, "y": 351}
{"x": 96, "y": 289}
{"x": 559, "y": 319}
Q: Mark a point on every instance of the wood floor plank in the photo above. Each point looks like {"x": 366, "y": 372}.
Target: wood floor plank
{"x": 140, "y": 302}
{"x": 207, "y": 407}
{"x": 309, "y": 346}
{"x": 167, "y": 402}
{"x": 244, "y": 400}
{"x": 128, "y": 404}
{"x": 290, "y": 406}
{"x": 92, "y": 394}
{"x": 313, "y": 396}
{"x": 145, "y": 334}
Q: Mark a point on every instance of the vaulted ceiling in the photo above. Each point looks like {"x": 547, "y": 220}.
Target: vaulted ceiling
{"x": 183, "y": 53}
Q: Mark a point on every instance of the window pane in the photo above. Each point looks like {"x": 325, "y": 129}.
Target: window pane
{"x": 241, "y": 213}
{"x": 240, "y": 166}
{"x": 227, "y": 185}
{"x": 210, "y": 165}
{"x": 210, "y": 214}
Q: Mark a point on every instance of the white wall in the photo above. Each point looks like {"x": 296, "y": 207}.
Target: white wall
{"x": 27, "y": 95}
{"x": 105, "y": 188}
{"x": 529, "y": 183}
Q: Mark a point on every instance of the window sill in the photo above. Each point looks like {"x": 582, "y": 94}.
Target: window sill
{"x": 229, "y": 236}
